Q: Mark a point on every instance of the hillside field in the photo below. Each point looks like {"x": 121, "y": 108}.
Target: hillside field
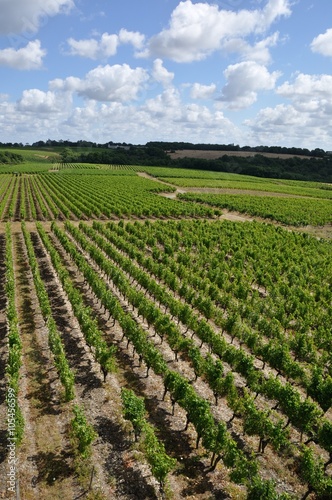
{"x": 164, "y": 334}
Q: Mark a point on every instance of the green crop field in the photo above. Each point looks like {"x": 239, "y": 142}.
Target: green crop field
{"x": 173, "y": 351}
{"x": 291, "y": 211}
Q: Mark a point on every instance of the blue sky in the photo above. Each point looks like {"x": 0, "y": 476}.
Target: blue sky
{"x": 247, "y": 72}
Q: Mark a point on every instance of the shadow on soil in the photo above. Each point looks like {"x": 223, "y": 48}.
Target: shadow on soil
{"x": 3, "y": 449}
{"x": 52, "y": 467}
{"x": 129, "y": 481}
{"x": 41, "y": 389}
{"x": 177, "y": 443}
{"x": 75, "y": 353}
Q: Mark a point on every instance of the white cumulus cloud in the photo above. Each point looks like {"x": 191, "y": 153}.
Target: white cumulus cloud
{"x": 323, "y": 43}
{"x": 285, "y": 124}
{"x": 29, "y": 57}
{"x": 106, "y": 46}
{"x": 307, "y": 87}
{"x": 18, "y": 16}
{"x": 94, "y": 49}
{"x": 244, "y": 80}
{"x": 37, "y": 101}
{"x": 197, "y": 30}
{"x": 165, "y": 105}
{"x": 134, "y": 38}
{"x": 259, "y": 52}
{"x": 199, "y": 91}
{"x": 307, "y": 120}
{"x": 119, "y": 83}
{"x": 161, "y": 74}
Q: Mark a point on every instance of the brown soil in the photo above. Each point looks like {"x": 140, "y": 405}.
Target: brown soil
{"x": 269, "y": 462}
{"x": 117, "y": 468}
{"x": 45, "y": 463}
{"x": 212, "y": 154}
{"x": 3, "y": 359}
{"x": 117, "y": 473}
{"x": 194, "y": 482}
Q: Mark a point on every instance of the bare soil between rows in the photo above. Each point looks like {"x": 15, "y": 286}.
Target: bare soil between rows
{"x": 193, "y": 482}
{"x": 268, "y": 460}
{"x": 121, "y": 472}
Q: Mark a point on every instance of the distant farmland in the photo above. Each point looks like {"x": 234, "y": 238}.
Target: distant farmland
{"x": 213, "y": 154}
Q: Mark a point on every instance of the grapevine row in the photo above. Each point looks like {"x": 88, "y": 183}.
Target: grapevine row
{"x": 215, "y": 437}
{"x": 287, "y": 396}
{"x": 154, "y": 450}
{"x": 55, "y": 343}
{"x": 206, "y": 367}
{"x": 103, "y": 354}
{"x": 303, "y": 414}
{"x": 14, "y": 344}
{"x": 274, "y": 351}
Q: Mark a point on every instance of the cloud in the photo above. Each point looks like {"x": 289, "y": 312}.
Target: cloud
{"x": 134, "y": 38}
{"x": 287, "y": 125}
{"x": 197, "y": 30}
{"x": 106, "y": 46}
{"x": 164, "y": 117}
{"x": 199, "y": 91}
{"x": 18, "y": 16}
{"x": 259, "y": 52}
{"x": 93, "y": 49}
{"x": 164, "y": 106}
{"x": 37, "y": 101}
{"x": 273, "y": 9}
{"x": 161, "y": 117}
{"x": 323, "y": 43}
{"x": 308, "y": 89}
{"x": 29, "y": 57}
{"x": 161, "y": 74}
{"x": 244, "y": 80}
{"x": 119, "y": 83}
{"x": 306, "y": 121}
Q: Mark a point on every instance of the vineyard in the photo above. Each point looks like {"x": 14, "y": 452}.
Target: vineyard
{"x": 120, "y": 193}
{"x": 151, "y": 349}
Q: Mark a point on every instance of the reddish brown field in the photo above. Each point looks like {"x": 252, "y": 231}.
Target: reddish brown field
{"x": 213, "y": 155}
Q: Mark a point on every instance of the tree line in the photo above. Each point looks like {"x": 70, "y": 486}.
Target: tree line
{"x": 313, "y": 168}
{"x": 314, "y": 165}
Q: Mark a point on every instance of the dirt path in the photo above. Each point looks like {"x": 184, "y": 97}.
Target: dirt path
{"x": 3, "y": 360}
{"x": 45, "y": 464}
{"x": 316, "y": 231}
{"x": 167, "y": 195}
{"x": 193, "y": 482}
{"x": 213, "y": 190}
{"x": 269, "y": 461}
{"x": 117, "y": 474}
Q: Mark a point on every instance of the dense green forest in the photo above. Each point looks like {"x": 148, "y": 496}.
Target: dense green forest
{"x": 175, "y": 146}
{"x": 315, "y": 165}
{"x": 297, "y": 168}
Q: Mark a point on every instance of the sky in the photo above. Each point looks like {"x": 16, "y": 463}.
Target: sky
{"x": 248, "y": 72}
